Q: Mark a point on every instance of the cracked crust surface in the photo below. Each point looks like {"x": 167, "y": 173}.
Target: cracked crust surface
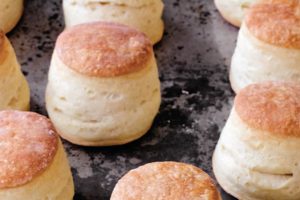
{"x": 104, "y": 49}
{"x": 28, "y": 144}
{"x": 276, "y": 22}
{"x": 166, "y": 180}
{"x": 271, "y": 106}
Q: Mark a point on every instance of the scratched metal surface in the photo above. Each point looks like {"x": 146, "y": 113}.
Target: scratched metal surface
{"x": 193, "y": 59}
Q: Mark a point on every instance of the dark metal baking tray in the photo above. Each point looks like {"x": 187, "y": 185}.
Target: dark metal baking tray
{"x": 193, "y": 59}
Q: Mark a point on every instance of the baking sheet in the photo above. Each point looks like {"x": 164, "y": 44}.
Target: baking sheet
{"x": 193, "y": 59}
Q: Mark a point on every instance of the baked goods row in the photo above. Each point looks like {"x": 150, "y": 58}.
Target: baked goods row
{"x": 257, "y": 155}
{"x": 103, "y": 89}
{"x": 34, "y": 166}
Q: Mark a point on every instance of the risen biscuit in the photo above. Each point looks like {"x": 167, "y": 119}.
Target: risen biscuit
{"x": 10, "y": 13}
{"x": 257, "y": 156}
{"x": 144, "y": 15}
{"x": 33, "y": 162}
{"x": 166, "y": 181}
{"x": 268, "y": 46}
{"x": 103, "y": 84}
{"x": 13, "y": 85}
{"x": 234, "y": 11}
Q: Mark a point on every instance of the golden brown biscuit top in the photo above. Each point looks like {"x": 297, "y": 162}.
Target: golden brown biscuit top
{"x": 28, "y": 144}
{"x": 271, "y": 106}
{"x": 165, "y": 181}
{"x": 104, "y": 49}
{"x": 276, "y": 22}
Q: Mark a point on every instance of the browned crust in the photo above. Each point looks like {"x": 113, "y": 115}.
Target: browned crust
{"x": 28, "y": 144}
{"x": 166, "y": 180}
{"x": 273, "y": 107}
{"x": 276, "y": 22}
{"x": 103, "y": 49}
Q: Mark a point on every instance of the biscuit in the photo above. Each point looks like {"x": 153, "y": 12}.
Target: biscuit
{"x": 268, "y": 46}
{"x": 103, "y": 86}
{"x": 144, "y": 15}
{"x": 33, "y": 162}
{"x": 257, "y": 156}
{"x": 10, "y": 14}
{"x": 165, "y": 181}
{"x": 14, "y": 88}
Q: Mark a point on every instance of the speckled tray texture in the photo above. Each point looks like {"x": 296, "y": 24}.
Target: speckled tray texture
{"x": 193, "y": 60}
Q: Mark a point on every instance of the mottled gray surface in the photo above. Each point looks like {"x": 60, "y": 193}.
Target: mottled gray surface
{"x": 193, "y": 59}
